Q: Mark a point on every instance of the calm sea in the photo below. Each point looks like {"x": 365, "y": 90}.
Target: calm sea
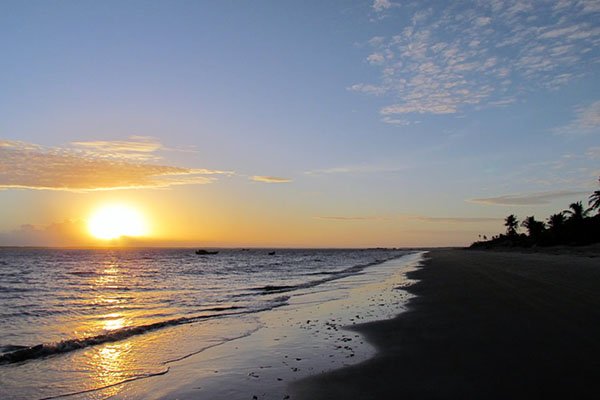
{"x": 56, "y": 304}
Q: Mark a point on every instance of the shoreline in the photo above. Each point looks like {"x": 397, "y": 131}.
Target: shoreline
{"x": 305, "y": 337}
{"x": 483, "y": 324}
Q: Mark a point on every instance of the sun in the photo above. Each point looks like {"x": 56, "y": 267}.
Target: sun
{"x": 113, "y": 221}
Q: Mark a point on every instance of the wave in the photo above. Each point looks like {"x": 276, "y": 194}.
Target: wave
{"x": 274, "y": 288}
{"x": 68, "y": 345}
{"x": 12, "y": 289}
{"x": 85, "y": 273}
{"x": 25, "y": 353}
{"x": 7, "y": 348}
{"x": 329, "y": 276}
{"x": 150, "y": 374}
{"x": 42, "y": 350}
{"x": 320, "y": 273}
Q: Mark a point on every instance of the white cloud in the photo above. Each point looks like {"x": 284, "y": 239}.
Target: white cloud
{"x": 590, "y": 6}
{"x": 461, "y": 55}
{"x": 396, "y": 121}
{"x": 376, "y": 58}
{"x": 593, "y": 152}
{"x": 369, "y": 89}
{"x": 101, "y": 166}
{"x": 439, "y": 106}
{"x": 587, "y": 120}
{"x": 381, "y": 5}
{"x": 136, "y": 147}
{"x": 483, "y": 21}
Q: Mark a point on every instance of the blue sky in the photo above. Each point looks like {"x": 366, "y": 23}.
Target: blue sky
{"x": 364, "y": 118}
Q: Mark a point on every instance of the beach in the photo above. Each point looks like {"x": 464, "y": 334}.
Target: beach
{"x": 442, "y": 323}
{"x": 491, "y": 325}
{"x": 167, "y": 323}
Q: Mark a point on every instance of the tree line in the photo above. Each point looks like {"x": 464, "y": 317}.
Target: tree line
{"x": 575, "y": 226}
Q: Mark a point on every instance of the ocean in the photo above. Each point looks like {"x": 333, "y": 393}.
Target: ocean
{"x": 80, "y": 322}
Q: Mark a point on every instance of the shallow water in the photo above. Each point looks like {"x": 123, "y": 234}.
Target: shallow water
{"x": 78, "y": 320}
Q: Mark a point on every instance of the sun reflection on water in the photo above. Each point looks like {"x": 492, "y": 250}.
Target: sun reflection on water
{"x": 110, "y": 365}
{"x": 114, "y": 321}
{"x": 113, "y": 296}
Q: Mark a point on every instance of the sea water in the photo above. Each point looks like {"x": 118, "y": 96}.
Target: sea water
{"x": 76, "y": 321}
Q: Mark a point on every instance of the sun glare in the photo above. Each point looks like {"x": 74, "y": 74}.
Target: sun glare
{"x": 114, "y": 221}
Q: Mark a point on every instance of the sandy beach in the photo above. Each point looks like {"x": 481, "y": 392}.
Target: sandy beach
{"x": 483, "y": 325}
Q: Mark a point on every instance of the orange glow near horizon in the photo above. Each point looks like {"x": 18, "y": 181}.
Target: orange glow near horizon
{"x": 117, "y": 220}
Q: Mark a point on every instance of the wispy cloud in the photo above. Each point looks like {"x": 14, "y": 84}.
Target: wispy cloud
{"x": 405, "y": 218}
{"x": 456, "y": 220}
{"x": 357, "y": 169}
{"x": 587, "y": 120}
{"x": 396, "y": 121}
{"x": 444, "y": 60}
{"x": 29, "y": 166}
{"x": 350, "y": 218}
{"x": 270, "y": 179}
{"x": 136, "y": 147}
{"x": 593, "y": 152}
{"x": 528, "y": 198}
{"x": 367, "y": 88}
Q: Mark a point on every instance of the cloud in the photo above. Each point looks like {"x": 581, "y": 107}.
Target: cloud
{"x": 137, "y": 147}
{"x": 357, "y": 169}
{"x": 462, "y": 55}
{"x": 350, "y": 218}
{"x": 587, "y": 120}
{"x": 381, "y": 5}
{"x": 270, "y": 179}
{"x": 446, "y": 106}
{"x": 376, "y": 58}
{"x": 396, "y": 121}
{"x": 467, "y": 220}
{"x": 68, "y": 232}
{"x": 369, "y": 89}
{"x": 593, "y": 152}
{"x": 29, "y": 166}
{"x": 528, "y": 198}
{"x": 419, "y": 218}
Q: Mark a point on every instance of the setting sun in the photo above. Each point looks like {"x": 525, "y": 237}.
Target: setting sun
{"x": 114, "y": 221}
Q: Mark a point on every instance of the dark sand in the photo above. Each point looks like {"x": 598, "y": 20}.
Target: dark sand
{"x": 485, "y": 325}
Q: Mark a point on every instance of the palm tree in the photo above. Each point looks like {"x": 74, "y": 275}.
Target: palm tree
{"x": 534, "y": 228}
{"x": 576, "y": 212}
{"x": 594, "y": 201}
{"x": 556, "y": 221}
{"x": 512, "y": 224}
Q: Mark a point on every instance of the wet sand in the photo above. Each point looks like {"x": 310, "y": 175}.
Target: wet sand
{"x": 485, "y": 325}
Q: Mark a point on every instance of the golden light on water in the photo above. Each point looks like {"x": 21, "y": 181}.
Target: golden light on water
{"x": 115, "y": 221}
{"x": 114, "y": 321}
{"x": 111, "y": 365}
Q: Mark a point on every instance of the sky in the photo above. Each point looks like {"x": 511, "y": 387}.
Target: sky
{"x": 295, "y": 124}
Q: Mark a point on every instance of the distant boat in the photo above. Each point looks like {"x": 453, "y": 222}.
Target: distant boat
{"x": 202, "y": 252}
{"x": 271, "y": 253}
